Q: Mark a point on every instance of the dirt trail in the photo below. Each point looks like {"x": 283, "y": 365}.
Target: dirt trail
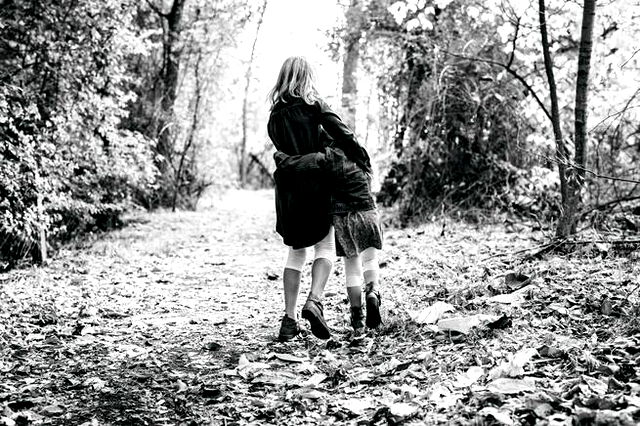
{"x": 172, "y": 320}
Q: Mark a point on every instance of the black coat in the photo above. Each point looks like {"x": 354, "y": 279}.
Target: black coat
{"x": 350, "y": 186}
{"x": 303, "y": 205}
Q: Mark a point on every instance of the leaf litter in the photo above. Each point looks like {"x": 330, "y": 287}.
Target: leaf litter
{"x": 172, "y": 320}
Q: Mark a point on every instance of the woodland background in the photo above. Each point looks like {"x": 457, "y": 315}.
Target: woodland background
{"x": 113, "y": 105}
{"x": 505, "y": 136}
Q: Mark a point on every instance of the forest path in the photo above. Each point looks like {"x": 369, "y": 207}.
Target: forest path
{"x": 172, "y": 320}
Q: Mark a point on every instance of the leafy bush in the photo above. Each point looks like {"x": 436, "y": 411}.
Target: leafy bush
{"x": 20, "y": 129}
{"x": 457, "y": 122}
{"x": 67, "y": 164}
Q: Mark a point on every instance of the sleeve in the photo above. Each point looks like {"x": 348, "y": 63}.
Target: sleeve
{"x": 312, "y": 163}
{"x": 344, "y": 138}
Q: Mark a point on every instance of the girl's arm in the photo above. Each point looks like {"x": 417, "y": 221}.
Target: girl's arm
{"x": 344, "y": 137}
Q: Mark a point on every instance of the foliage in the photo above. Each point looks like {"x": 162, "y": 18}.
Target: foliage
{"x": 20, "y": 129}
{"x": 458, "y": 133}
{"x": 181, "y": 126}
{"x": 466, "y": 101}
{"x": 63, "y": 95}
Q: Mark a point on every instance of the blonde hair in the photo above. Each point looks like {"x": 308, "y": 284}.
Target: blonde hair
{"x": 296, "y": 79}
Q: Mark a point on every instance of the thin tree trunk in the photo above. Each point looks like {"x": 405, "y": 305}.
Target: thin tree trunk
{"x": 572, "y": 200}
{"x": 40, "y": 255}
{"x": 242, "y": 169}
{"x": 171, "y": 27}
{"x": 582, "y": 88}
{"x": 561, "y": 150}
{"x": 351, "y": 59}
{"x": 177, "y": 186}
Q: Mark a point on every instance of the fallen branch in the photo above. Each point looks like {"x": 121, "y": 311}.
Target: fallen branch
{"x": 553, "y": 245}
{"x": 610, "y": 204}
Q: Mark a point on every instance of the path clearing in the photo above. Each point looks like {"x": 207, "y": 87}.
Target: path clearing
{"x": 172, "y": 320}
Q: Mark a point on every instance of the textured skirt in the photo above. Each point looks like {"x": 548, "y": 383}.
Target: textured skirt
{"x": 356, "y": 231}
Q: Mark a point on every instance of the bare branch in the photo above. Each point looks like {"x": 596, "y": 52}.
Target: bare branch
{"x": 570, "y": 164}
{"x": 630, "y": 58}
{"x": 156, "y": 9}
{"x": 510, "y": 71}
{"x": 513, "y": 43}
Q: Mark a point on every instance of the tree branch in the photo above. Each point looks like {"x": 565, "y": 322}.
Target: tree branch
{"x": 156, "y": 9}
{"x": 511, "y": 71}
{"x": 513, "y": 44}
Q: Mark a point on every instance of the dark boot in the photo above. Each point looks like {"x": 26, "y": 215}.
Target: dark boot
{"x": 372, "y": 298}
{"x": 312, "y": 311}
{"x": 288, "y": 329}
{"x": 357, "y": 320}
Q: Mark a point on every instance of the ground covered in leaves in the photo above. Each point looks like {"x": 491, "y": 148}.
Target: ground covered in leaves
{"x": 173, "y": 319}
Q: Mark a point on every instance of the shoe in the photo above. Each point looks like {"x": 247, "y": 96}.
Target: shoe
{"x": 288, "y": 329}
{"x": 357, "y": 320}
{"x": 312, "y": 311}
{"x": 372, "y": 298}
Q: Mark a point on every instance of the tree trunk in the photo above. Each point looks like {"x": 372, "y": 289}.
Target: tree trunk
{"x": 568, "y": 222}
{"x": 416, "y": 73}
{"x": 351, "y": 59}
{"x": 561, "y": 150}
{"x": 177, "y": 186}
{"x": 242, "y": 168}
{"x": 172, "y": 26}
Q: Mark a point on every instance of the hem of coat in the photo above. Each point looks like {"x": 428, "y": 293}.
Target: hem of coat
{"x": 296, "y": 244}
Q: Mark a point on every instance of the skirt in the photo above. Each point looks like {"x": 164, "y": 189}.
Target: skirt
{"x": 356, "y": 231}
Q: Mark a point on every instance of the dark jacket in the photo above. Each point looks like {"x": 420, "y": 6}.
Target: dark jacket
{"x": 350, "y": 186}
{"x": 303, "y": 205}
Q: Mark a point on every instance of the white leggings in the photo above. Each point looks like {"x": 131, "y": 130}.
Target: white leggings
{"x": 367, "y": 260}
{"x": 323, "y": 249}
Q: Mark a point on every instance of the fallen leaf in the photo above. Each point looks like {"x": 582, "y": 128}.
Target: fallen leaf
{"x": 248, "y": 369}
{"x": 516, "y": 281}
{"x": 431, "y": 314}
{"x": 469, "y": 377}
{"x": 410, "y": 390}
{"x": 403, "y": 409}
{"x": 509, "y": 386}
{"x": 211, "y": 392}
{"x": 543, "y": 409}
{"x": 357, "y": 405}
{"x": 501, "y": 417}
{"x": 53, "y": 410}
{"x": 551, "y": 352}
{"x": 442, "y": 397}
{"x": 6, "y": 421}
{"x": 464, "y": 324}
{"x": 557, "y": 307}
{"x": 315, "y": 380}
{"x": 181, "y": 386}
{"x": 514, "y": 365}
{"x": 290, "y": 358}
{"x": 272, "y": 276}
{"x": 95, "y": 383}
{"x": 311, "y": 394}
{"x": 501, "y": 323}
{"x": 21, "y": 404}
{"x": 597, "y": 386}
{"x": 513, "y": 298}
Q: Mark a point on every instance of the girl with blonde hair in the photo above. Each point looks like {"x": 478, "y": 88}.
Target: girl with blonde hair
{"x": 301, "y": 123}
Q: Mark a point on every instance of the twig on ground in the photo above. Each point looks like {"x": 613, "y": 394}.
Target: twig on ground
{"x": 546, "y": 247}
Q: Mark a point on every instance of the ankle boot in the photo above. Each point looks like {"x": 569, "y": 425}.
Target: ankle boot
{"x": 357, "y": 320}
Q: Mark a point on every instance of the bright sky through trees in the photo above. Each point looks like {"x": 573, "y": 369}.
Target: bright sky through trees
{"x": 298, "y": 27}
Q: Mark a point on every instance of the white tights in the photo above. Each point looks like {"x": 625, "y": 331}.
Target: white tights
{"x": 366, "y": 262}
{"x": 323, "y": 249}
